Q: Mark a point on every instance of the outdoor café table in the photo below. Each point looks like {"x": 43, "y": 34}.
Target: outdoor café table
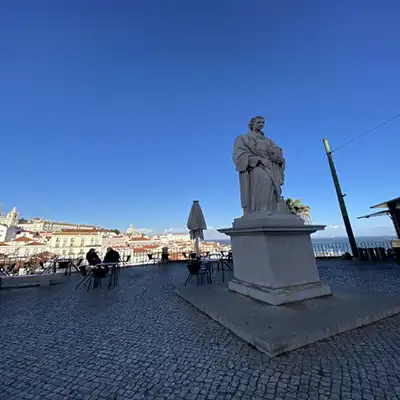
{"x": 208, "y": 262}
{"x": 224, "y": 262}
{"x": 92, "y": 275}
{"x": 62, "y": 263}
{"x": 114, "y": 272}
{"x": 66, "y": 263}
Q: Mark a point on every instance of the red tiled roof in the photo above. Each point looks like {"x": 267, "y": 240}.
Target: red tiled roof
{"x": 22, "y": 239}
{"x": 3, "y": 244}
{"x": 86, "y": 230}
{"x": 81, "y": 231}
{"x": 144, "y": 249}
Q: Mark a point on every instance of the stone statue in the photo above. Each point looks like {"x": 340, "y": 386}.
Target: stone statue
{"x": 261, "y": 168}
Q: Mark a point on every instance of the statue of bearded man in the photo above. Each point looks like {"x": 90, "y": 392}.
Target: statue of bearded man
{"x": 261, "y": 168}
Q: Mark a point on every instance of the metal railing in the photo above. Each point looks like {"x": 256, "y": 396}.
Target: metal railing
{"x": 322, "y": 250}
{"x": 25, "y": 265}
{"x": 29, "y": 265}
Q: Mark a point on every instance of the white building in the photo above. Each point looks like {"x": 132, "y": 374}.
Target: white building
{"x": 70, "y": 242}
{"x": 27, "y": 234}
{"x": 77, "y": 242}
{"x": 10, "y": 219}
{"x": 44, "y": 225}
{"x": 142, "y": 241}
{"x": 8, "y": 233}
{"x": 22, "y": 247}
{"x": 176, "y": 237}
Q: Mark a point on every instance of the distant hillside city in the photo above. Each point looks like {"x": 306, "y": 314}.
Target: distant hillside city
{"x": 37, "y": 236}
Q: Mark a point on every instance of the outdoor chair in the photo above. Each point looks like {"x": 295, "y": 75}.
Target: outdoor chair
{"x": 51, "y": 267}
{"x": 69, "y": 264}
{"x": 196, "y": 269}
{"x": 381, "y": 253}
{"x": 3, "y": 271}
{"x": 205, "y": 254}
{"x": 390, "y": 253}
{"x": 371, "y": 254}
{"x": 126, "y": 261}
{"x": 97, "y": 273}
{"x": 152, "y": 259}
{"x": 362, "y": 254}
{"x": 10, "y": 268}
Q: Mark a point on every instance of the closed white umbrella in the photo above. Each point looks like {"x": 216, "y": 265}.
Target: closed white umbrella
{"x": 196, "y": 224}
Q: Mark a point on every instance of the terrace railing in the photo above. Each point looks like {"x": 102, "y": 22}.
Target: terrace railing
{"x": 12, "y": 265}
{"x": 338, "y": 249}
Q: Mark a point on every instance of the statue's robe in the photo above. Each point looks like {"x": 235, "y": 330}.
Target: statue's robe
{"x": 260, "y": 178}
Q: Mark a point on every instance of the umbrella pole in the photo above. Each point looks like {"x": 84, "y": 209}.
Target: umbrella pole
{"x": 197, "y": 247}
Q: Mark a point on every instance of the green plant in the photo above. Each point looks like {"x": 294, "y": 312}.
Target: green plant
{"x": 298, "y": 208}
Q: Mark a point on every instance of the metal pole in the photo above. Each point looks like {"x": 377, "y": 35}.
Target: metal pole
{"x": 342, "y": 204}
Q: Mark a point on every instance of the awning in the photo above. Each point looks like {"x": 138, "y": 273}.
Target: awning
{"x": 385, "y": 204}
{"x": 375, "y": 214}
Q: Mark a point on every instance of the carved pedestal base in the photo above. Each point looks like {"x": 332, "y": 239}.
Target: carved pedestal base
{"x": 274, "y": 260}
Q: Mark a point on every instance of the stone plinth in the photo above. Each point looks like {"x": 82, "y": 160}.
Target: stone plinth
{"x": 277, "y": 330}
{"x": 274, "y": 259}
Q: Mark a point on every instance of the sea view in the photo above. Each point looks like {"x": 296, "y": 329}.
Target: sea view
{"x": 339, "y": 240}
{"x": 336, "y": 246}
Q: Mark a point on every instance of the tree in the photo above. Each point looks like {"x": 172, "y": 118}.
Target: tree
{"x": 117, "y": 231}
{"x": 298, "y": 208}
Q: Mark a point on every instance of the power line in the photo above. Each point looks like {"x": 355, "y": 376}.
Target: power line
{"x": 367, "y": 132}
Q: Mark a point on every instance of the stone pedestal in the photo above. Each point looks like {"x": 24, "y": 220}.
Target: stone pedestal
{"x": 274, "y": 259}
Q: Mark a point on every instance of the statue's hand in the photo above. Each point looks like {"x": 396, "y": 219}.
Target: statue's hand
{"x": 257, "y": 165}
{"x": 276, "y": 158}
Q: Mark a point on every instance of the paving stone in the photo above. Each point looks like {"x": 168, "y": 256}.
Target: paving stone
{"x": 141, "y": 341}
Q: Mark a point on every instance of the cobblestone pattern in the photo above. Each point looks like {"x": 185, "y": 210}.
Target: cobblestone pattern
{"x": 141, "y": 341}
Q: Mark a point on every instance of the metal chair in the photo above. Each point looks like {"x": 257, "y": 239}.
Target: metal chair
{"x": 196, "y": 269}
{"x": 3, "y": 271}
{"x": 152, "y": 259}
{"x": 126, "y": 261}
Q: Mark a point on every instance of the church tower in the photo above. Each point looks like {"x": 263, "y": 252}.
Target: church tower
{"x": 131, "y": 230}
{"x": 13, "y": 217}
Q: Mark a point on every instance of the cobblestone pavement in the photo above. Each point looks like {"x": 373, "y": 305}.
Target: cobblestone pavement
{"x": 141, "y": 341}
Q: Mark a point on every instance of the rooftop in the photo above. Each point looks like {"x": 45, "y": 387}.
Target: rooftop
{"x": 81, "y": 231}
{"x": 139, "y": 340}
{"x": 22, "y": 239}
{"x": 385, "y": 204}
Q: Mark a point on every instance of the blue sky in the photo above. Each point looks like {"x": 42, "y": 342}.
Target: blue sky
{"x": 118, "y": 112}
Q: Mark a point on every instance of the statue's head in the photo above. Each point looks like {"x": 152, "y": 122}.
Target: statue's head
{"x": 256, "y": 123}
